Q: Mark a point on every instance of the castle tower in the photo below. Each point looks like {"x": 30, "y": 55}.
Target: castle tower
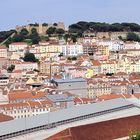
{"x": 40, "y": 31}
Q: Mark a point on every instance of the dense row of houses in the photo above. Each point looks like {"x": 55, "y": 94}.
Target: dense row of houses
{"x": 68, "y": 74}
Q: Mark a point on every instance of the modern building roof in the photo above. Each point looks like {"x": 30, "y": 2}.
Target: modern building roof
{"x": 60, "y": 98}
{"x": 61, "y": 115}
{"x": 68, "y": 80}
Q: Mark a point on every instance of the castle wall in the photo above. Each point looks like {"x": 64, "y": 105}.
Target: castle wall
{"x": 40, "y": 29}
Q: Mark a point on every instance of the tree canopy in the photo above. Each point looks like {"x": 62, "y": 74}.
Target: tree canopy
{"x": 53, "y": 30}
{"x": 24, "y": 36}
{"x": 132, "y": 37}
{"x": 34, "y": 36}
{"x": 24, "y": 32}
{"x": 74, "y": 31}
{"x": 83, "y": 26}
{"x": 5, "y": 34}
{"x": 11, "y": 68}
{"x": 30, "y": 57}
{"x": 135, "y": 136}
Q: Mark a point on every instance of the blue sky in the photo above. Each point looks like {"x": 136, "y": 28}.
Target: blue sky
{"x": 18, "y": 12}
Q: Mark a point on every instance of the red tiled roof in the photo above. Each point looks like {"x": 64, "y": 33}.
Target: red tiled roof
{"x": 79, "y": 100}
{"x": 113, "y": 96}
{"x": 120, "y": 83}
{"x": 120, "y": 74}
{"x": 27, "y": 104}
{"x": 25, "y": 95}
{"x": 20, "y": 62}
{"x": 4, "y": 118}
{"x": 19, "y": 43}
{"x": 96, "y": 63}
{"x": 107, "y": 130}
{"x": 12, "y": 106}
{"x": 3, "y": 47}
{"x": 17, "y": 71}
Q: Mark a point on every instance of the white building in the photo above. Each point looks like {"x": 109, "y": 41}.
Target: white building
{"x": 131, "y": 45}
{"x": 4, "y": 80}
{"x": 26, "y": 109}
{"x": 17, "y": 46}
{"x": 19, "y": 65}
{"x": 71, "y": 49}
{"x": 116, "y": 45}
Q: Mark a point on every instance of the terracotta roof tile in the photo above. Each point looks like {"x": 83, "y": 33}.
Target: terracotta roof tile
{"x": 19, "y": 43}
{"x": 4, "y": 118}
{"x": 96, "y": 63}
{"x": 107, "y": 130}
{"x": 25, "y": 95}
{"x": 113, "y": 96}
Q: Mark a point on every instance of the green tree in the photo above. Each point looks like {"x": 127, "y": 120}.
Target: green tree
{"x": 109, "y": 74}
{"x": 132, "y": 37}
{"x": 60, "y": 55}
{"x": 44, "y": 38}
{"x": 18, "y": 38}
{"x": 45, "y": 24}
{"x": 74, "y": 58}
{"x": 5, "y": 34}
{"x": 120, "y": 37}
{"x": 36, "y": 70}
{"x": 34, "y": 31}
{"x": 29, "y": 41}
{"x": 135, "y": 136}
{"x": 51, "y": 30}
{"x": 66, "y": 37}
{"x": 11, "y": 68}
{"x": 83, "y": 26}
{"x": 55, "y": 24}
{"x": 74, "y": 37}
{"x": 29, "y": 57}
{"x": 24, "y": 32}
{"x": 34, "y": 24}
{"x": 69, "y": 58}
{"x": 59, "y": 31}
{"x": 34, "y": 36}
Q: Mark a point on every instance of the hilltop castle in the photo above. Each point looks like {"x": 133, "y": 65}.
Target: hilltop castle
{"x": 41, "y": 28}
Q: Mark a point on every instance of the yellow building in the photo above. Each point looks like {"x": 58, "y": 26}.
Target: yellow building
{"x": 45, "y": 67}
{"x": 99, "y": 88}
{"x": 109, "y": 67}
{"x": 90, "y": 73}
{"x": 104, "y": 50}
